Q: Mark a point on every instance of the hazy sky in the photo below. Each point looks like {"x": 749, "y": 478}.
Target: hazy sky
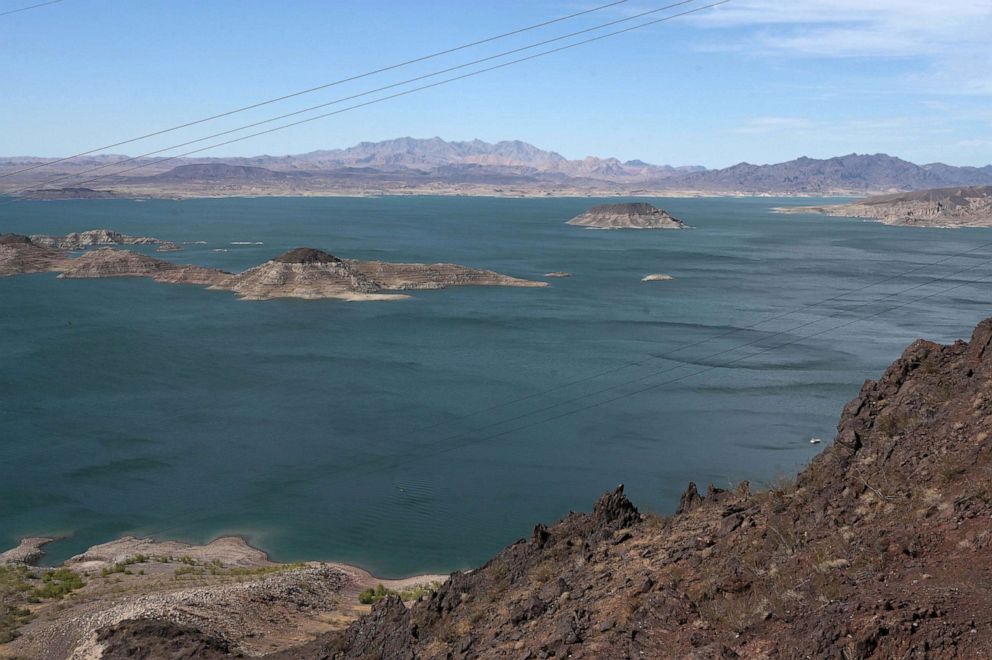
{"x": 754, "y": 80}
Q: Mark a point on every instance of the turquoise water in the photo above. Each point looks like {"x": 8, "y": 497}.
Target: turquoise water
{"x": 375, "y": 433}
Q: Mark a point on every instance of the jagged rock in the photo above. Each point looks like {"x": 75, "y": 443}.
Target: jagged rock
{"x": 615, "y": 510}
{"x": 155, "y": 639}
{"x": 690, "y": 499}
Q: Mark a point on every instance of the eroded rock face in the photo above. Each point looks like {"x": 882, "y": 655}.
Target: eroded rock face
{"x": 627, "y": 216}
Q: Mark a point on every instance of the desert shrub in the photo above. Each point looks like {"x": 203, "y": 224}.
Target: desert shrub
{"x": 194, "y": 571}
{"x": 370, "y": 595}
{"x": 58, "y": 583}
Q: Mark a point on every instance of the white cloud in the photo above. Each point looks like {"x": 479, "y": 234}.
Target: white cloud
{"x": 947, "y": 41}
{"x": 845, "y": 28}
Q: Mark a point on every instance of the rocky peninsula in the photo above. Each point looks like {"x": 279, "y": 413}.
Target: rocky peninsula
{"x": 939, "y": 207}
{"x": 637, "y": 215}
{"x": 879, "y": 549}
{"x": 305, "y": 273}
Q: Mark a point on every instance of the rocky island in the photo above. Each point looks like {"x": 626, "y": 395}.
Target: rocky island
{"x": 100, "y": 237}
{"x": 300, "y": 273}
{"x": 879, "y": 549}
{"x": 939, "y": 207}
{"x": 637, "y": 215}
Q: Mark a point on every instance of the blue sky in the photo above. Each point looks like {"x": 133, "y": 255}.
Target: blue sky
{"x": 753, "y": 80}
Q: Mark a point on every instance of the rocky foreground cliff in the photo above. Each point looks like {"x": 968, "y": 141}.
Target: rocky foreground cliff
{"x": 879, "y": 549}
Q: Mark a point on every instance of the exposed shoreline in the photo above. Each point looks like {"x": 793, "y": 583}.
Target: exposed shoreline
{"x": 227, "y": 587}
{"x": 234, "y": 549}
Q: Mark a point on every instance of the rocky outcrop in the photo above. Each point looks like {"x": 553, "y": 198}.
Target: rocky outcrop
{"x": 627, "y": 216}
{"x": 943, "y": 207}
{"x": 100, "y": 237}
{"x": 29, "y": 551}
{"x": 20, "y": 256}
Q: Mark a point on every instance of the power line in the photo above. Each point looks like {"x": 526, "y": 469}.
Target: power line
{"x": 489, "y": 58}
{"x": 40, "y": 4}
{"x": 310, "y": 90}
{"x": 406, "y": 92}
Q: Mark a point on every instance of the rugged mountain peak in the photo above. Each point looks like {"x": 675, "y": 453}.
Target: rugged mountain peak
{"x": 306, "y": 256}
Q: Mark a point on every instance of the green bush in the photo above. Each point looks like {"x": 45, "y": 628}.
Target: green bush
{"x": 58, "y": 583}
{"x": 370, "y": 595}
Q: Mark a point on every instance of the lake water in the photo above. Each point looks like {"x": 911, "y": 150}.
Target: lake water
{"x": 426, "y": 434}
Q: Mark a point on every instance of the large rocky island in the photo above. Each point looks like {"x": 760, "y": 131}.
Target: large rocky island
{"x": 939, "y": 207}
{"x": 300, "y": 273}
{"x": 879, "y": 549}
{"x": 637, "y": 215}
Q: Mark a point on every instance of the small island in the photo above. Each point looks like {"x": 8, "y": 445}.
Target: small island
{"x": 306, "y": 273}
{"x": 638, "y": 215}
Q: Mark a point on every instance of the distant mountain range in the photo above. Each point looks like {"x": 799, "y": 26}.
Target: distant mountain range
{"x": 424, "y": 166}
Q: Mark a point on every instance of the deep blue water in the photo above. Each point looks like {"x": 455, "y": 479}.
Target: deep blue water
{"x": 408, "y": 436}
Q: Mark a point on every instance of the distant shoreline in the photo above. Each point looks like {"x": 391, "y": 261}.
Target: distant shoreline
{"x": 491, "y": 194}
